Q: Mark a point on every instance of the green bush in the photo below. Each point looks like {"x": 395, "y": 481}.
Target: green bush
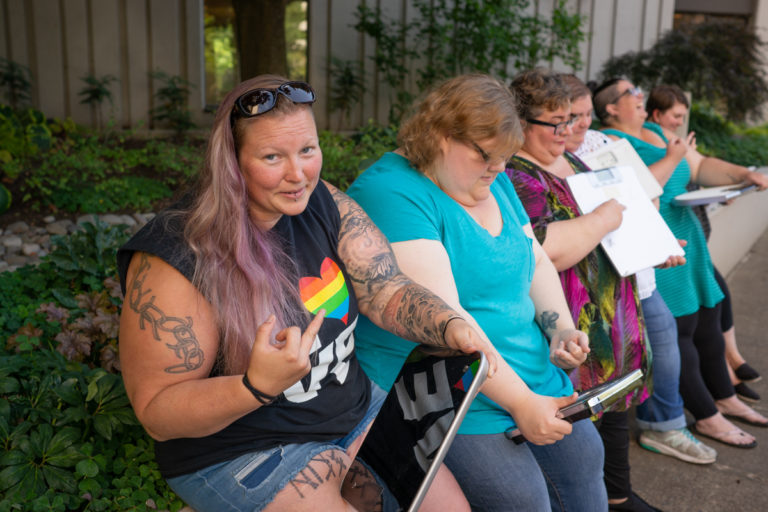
{"x": 726, "y": 140}
{"x": 69, "y": 438}
{"x": 89, "y": 174}
{"x": 345, "y": 157}
{"x": 719, "y": 63}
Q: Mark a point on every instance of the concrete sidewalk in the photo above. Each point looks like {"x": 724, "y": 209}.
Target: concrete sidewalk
{"x": 738, "y": 481}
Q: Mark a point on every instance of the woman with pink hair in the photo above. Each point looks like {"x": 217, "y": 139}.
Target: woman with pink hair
{"x": 236, "y": 334}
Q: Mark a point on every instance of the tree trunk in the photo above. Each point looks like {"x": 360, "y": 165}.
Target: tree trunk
{"x": 260, "y": 34}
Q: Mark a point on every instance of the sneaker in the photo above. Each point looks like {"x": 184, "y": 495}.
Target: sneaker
{"x": 678, "y": 443}
{"x": 746, "y": 393}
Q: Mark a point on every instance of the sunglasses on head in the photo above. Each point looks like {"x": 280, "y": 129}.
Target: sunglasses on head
{"x": 259, "y": 101}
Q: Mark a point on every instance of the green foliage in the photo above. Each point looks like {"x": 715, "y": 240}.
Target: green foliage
{"x": 449, "y": 38}
{"x": 345, "y": 157}
{"x": 221, "y": 63}
{"x": 15, "y": 80}
{"x": 348, "y": 85}
{"x": 172, "y": 102}
{"x": 95, "y": 92}
{"x": 69, "y": 438}
{"x": 719, "y": 63}
{"x": 735, "y": 143}
{"x": 92, "y": 175}
{"x": 22, "y": 133}
{"x": 296, "y": 39}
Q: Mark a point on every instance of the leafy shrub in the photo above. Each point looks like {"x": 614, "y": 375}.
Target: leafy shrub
{"x": 445, "y": 39}
{"x": 345, "y": 157}
{"x": 726, "y": 140}
{"x": 172, "y": 97}
{"x": 718, "y": 62}
{"x": 15, "y": 79}
{"x": 69, "y": 438}
{"x": 92, "y": 175}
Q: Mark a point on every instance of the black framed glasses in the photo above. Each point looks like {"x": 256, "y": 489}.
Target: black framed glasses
{"x": 558, "y": 127}
{"x": 485, "y": 156}
{"x": 259, "y": 101}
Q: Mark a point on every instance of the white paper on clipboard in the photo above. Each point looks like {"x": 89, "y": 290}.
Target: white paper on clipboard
{"x": 643, "y": 239}
{"x": 621, "y": 152}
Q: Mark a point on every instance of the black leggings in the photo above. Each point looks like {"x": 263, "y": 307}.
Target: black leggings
{"x": 614, "y": 430}
{"x": 703, "y": 371}
{"x": 726, "y": 317}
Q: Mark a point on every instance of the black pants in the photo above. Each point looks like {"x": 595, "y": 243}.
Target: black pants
{"x": 614, "y": 430}
{"x": 703, "y": 370}
{"x": 726, "y": 317}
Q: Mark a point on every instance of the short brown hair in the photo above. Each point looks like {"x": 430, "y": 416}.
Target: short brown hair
{"x": 576, "y": 86}
{"x": 538, "y": 90}
{"x": 468, "y": 108}
{"x": 663, "y": 97}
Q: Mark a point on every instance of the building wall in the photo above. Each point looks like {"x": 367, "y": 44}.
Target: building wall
{"x": 62, "y": 41}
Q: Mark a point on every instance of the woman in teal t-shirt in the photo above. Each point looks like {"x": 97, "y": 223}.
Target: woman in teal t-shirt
{"x": 455, "y": 225}
{"x": 690, "y": 290}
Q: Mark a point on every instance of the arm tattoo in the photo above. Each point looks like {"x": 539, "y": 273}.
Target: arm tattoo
{"x": 548, "y": 320}
{"x": 412, "y": 311}
{"x": 142, "y": 302}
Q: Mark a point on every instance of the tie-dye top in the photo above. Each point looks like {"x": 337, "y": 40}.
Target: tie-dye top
{"x": 602, "y": 303}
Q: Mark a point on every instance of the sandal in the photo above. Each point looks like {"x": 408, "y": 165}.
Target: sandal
{"x": 745, "y": 419}
{"x": 723, "y": 436}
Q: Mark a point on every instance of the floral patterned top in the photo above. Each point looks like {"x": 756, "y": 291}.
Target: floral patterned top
{"x": 602, "y": 303}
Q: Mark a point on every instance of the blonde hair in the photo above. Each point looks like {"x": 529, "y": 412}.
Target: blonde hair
{"x": 467, "y": 108}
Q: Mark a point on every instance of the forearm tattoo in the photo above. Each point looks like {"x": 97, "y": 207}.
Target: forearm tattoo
{"x": 141, "y": 300}
{"x": 548, "y": 320}
{"x": 412, "y": 312}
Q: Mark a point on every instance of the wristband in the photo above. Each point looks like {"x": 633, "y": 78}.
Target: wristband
{"x": 262, "y": 397}
{"x": 445, "y": 327}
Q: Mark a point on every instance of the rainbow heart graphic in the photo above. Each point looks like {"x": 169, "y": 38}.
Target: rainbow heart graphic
{"x": 329, "y": 292}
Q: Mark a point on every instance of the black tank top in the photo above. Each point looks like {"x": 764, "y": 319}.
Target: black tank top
{"x": 329, "y": 401}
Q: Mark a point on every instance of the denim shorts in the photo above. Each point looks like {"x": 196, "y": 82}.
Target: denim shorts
{"x": 251, "y": 481}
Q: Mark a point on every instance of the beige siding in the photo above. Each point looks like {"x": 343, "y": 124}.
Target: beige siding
{"x": 62, "y": 41}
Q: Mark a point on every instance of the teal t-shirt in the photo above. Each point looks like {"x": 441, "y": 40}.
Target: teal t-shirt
{"x": 688, "y": 287}
{"x": 492, "y": 274}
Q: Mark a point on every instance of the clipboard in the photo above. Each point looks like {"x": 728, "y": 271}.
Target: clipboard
{"x": 419, "y": 419}
{"x": 643, "y": 239}
{"x": 713, "y": 194}
{"x": 621, "y": 152}
{"x": 593, "y": 401}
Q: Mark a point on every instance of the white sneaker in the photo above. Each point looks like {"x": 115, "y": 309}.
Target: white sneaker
{"x": 678, "y": 443}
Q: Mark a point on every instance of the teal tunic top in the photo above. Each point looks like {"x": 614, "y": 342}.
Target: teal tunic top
{"x": 492, "y": 274}
{"x": 688, "y": 287}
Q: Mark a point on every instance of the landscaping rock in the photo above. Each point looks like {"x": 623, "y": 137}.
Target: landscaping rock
{"x": 12, "y": 242}
{"x": 49, "y": 219}
{"x": 59, "y": 227}
{"x": 18, "y": 227}
{"x": 30, "y": 249}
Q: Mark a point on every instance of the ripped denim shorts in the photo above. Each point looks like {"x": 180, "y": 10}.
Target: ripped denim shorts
{"x": 251, "y": 481}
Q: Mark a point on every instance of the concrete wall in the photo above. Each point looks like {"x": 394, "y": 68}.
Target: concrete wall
{"x": 736, "y": 227}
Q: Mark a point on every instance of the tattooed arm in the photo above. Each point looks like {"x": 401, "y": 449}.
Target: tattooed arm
{"x": 568, "y": 346}
{"x": 390, "y": 299}
{"x": 168, "y": 343}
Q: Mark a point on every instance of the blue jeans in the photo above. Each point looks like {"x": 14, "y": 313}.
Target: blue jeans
{"x": 663, "y": 411}
{"x": 498, "y": 475}
{"x": 251, "y": 481}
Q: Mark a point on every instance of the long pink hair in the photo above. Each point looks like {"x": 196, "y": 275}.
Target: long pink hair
{"x": 240, "y": 269}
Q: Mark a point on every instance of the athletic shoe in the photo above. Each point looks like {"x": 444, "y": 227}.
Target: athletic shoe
{"x": 678, "y": 443}
{"x": 746, "y": 393}
{"x": 746, "y": 373}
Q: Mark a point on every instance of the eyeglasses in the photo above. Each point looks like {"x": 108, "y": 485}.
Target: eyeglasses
{"x": 559, "y": 127}
{"x": 632, "y": 91}
{"x": 485, "y": 156}
{"x": 259, "y": 101}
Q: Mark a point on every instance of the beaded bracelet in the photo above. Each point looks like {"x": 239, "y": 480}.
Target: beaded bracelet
{"x": 262, "y": 397}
